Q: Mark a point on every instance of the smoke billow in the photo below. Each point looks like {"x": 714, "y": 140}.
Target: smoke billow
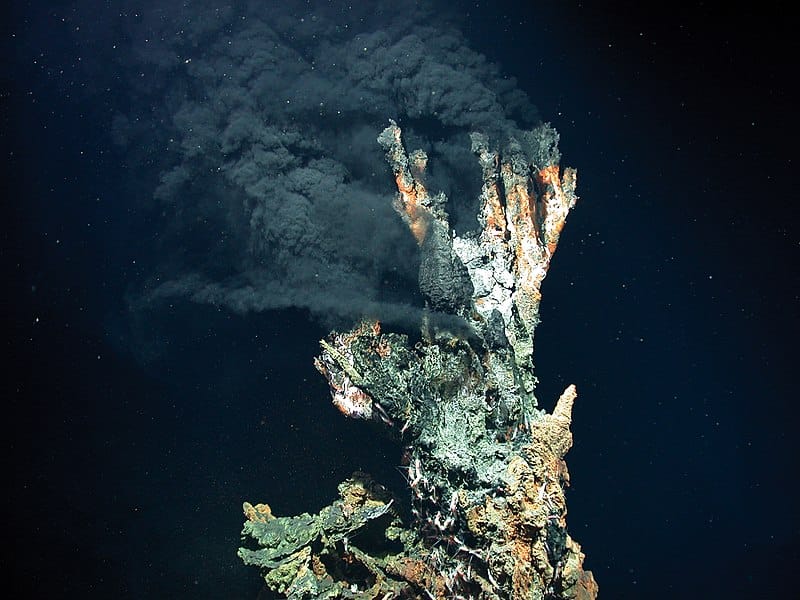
{"x": 273, "y": 191}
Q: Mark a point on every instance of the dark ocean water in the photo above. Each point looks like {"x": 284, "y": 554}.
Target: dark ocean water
{"x": 138, "y": 417}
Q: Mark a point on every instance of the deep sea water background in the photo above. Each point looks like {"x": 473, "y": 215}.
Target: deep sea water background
{"x": 134, "y": 430}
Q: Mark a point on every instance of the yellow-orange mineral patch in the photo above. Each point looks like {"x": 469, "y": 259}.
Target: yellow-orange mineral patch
{"x": 260, "y": 513}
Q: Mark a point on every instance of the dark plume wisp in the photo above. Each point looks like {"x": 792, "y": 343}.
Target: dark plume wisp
{"x": 273, "y": 191}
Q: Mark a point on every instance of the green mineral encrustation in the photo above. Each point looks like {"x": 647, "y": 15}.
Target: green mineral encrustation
{"x": 485, "y": 467}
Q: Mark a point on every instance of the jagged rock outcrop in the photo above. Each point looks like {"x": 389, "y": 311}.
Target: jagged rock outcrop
{"x": 484, "y": 466}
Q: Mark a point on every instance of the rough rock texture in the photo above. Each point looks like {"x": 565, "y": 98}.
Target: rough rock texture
{"x": 485, "y": 468}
